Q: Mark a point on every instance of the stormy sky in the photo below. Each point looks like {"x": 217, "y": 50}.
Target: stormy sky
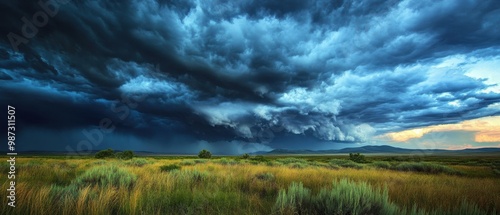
{"x": 245, "y": 76}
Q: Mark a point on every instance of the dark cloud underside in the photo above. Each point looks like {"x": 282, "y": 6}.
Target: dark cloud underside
{"x": 214, "y": 72}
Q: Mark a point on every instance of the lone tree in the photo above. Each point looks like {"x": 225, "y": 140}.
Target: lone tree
{"x": 108, "y": 153}
{"x": 245, "y": 156}
{"x": 357, "y": 157}
{"x": 204, "y": 154}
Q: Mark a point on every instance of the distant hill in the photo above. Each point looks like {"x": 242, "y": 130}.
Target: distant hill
{"x": 384, "y": 149}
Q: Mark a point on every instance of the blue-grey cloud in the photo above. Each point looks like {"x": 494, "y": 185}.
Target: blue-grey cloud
{"x": 223, "y": 72}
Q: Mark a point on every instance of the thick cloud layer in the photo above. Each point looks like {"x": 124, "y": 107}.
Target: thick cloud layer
{"x": 248, "y": 72}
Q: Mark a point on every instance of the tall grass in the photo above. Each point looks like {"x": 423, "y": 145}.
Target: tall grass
{"x": 78, "y": 186}
{"x": 426, "y": 167}
{"x": 345, "y": 197}
{"x": 105, "y": 176}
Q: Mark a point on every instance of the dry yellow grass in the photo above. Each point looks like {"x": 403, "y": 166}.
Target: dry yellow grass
{"x": 236, "y": 186}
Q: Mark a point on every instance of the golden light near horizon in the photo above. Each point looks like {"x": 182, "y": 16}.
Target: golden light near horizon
{"x": 487, "y": 129}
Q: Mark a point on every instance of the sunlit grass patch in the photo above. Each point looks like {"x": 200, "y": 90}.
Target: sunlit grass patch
{"x": 105, "y": 176}
{"x": 138, "y": 162}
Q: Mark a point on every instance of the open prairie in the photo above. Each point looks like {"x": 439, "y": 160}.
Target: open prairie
{"x": 257, "y": 185}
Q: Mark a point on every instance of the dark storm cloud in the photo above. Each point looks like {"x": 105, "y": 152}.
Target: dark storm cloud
{"x": 339, "y": 71}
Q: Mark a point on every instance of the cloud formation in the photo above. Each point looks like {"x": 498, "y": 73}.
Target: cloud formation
{"x": 486, "y": 129}
{"x": 222, "y": 72}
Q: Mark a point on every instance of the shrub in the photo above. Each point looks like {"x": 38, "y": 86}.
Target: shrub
{"x": 357, "y": 157}
{"x": 426, "y": 167}
{"x": 381, "y": 164}
{"x": 190, "y": 176}
{"x": 200, "y": 161}
{"x": 138, "y": 162}
{"x": 291, "y": 160}
{"x": 125, "y": 155}
{"x": 496, "y": 171}
{"x": 225, "y": 161}
{"x": 170, "y": 167}
{"x": 259, "y": 158}
{"x": 205, "y": 154}
{"x": 298, "y": 165}
{"x": 319, "y": 164}
{"x": 245, "y": 156}
{"x": 345, "y": 163}
{"x": 106, "y": 176}
{"x": 108, "y": 153}
{"x": 296, "y": 201}
{"x": 187, "y": 162}
{"x": 345, "y": 197}
{"x": 99, "y": 162}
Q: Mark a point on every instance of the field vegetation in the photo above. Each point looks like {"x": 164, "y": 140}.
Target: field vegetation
{"x": 339, "y": 184}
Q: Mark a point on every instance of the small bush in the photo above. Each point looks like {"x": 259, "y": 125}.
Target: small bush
{"x": 225, "y": 161}
{"x": 345, "y": 163}
{"x": 381, "y": 164}
{"x": 106, "y": 176}
{"x": 426, "y": 167}
{"x": 296, "y": 201}
{"x": 190, "y": 176}
{"x": 319, "y": 164}
{"x": 170, "y": 167}
{"x": 345, "y": 197}
{"x": 269, "y": 163}
{"x": 125, "y": 155}
{"x": 357, "y": 157}
{"x": 291, "y": 160}
{"x": 205, "y": 154}
{"x": 259, "y": 158}
{"x": 187, "y": 162}
{"x": 496, "y": 171}
{"x": 138, "y": 162}
{"x": 108, "y": 153}
{"x": 245, "y": 156}
{"x": 298, "y": 165}
{"x": 99, "y": 162}
{"x": 197, "y": 161}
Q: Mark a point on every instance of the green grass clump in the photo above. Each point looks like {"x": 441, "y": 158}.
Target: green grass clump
{"x": 298, "y": 165}
{"x": 426, "y": 167}
{"x": 290, "y": 160}
{"x": 106, "y": 176}
{"x": 170, "y": 167}
{"x": 381, "y": 164}
{"x": 345, "y": 197}
{"x": 59, "y": 193}
{"x": 137, "y": 162}
{"x": 99, "y": 162}
{"x": 197, "y": 161}
{"x": 187, "y": 162}
{"x": 225, "y": 161}
{"x": 190, "y": 176}
{"x": 345, "y": 163}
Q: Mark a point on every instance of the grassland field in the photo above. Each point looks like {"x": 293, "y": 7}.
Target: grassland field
{"x": 284, "y": 184}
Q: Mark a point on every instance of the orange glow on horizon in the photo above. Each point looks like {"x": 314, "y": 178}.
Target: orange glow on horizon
{"x": 487, "y": 130}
